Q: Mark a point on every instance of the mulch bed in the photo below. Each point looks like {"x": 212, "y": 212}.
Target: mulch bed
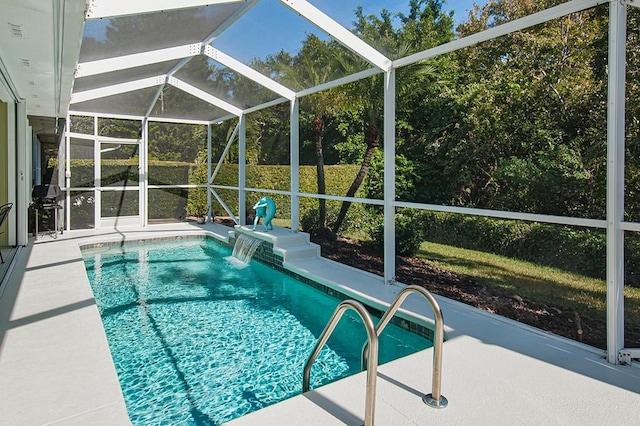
{"x": 411, "y": 270}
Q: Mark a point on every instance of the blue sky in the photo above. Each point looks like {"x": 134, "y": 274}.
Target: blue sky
{"x": 269, "y": 32}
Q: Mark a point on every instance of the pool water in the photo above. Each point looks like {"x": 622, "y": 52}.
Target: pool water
{"x": 198, "y": 338}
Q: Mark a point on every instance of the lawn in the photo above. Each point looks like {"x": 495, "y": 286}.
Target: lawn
{"x": 546, "y": 285}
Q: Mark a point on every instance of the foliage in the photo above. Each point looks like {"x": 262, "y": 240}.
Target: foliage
{"x": 410, "y": 232}
{"x": 197, "y": 204}
{"x": 569, "y": 248}
{"x": 176, "y": 142}
{"x": 357, "y": 220}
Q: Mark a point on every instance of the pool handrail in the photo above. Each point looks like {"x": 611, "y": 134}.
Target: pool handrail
{"x": 372, "y": 344}
{"x": 435, "y": 399}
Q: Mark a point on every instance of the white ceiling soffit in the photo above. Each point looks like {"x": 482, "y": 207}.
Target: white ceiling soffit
{"x": 248, "y": 72}
{"x": 204, "y": 96}
{"x": 117, "y": 89}
{"x": 340, "y": 33}
{"x": 39, "y": 47}
{"x": 136, "y": 60}
{"x": 109, "y": 8}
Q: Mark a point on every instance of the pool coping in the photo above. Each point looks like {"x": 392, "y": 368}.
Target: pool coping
{"x": 55, "y": 359}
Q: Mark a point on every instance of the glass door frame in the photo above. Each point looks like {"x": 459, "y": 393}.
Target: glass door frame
{"x": 115, "y": 221}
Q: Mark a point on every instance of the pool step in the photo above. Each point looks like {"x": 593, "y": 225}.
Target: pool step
{"x": 298, "y": 251}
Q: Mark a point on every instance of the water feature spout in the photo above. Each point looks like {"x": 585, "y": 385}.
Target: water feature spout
{"x": 245, "y": 247}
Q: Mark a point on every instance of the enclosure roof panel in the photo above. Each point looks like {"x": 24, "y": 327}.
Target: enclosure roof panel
{"x": 134, "y": 103}
{"x": 175, "y": 103}
{"x": 287, "y": 29}
{"x": 130, "y": 34}
{"x": 197, "y": 36}
{"x": 225, "y": 83}
{"x": 119, "y": 76}
{"x": 237, "y": 55}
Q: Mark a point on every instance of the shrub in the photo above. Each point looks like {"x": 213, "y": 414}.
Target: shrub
{"x": 410, "y": 232}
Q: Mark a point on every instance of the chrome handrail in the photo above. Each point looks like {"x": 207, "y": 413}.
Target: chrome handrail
{"x": 372, "y": 344}
{"x": 435, "y": 398}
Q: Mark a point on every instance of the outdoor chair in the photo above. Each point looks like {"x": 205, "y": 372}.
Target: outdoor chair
{"x": 4, "y": 212}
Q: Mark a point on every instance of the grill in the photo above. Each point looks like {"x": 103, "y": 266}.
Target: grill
{"x": 46, "y": 198}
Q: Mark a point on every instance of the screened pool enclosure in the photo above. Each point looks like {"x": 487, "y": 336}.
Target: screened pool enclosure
{"x": 184, "y": 109}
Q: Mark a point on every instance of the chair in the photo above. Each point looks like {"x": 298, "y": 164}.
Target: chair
{"x": 4, "y": 212}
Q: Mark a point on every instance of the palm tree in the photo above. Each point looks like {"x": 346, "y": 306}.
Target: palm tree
{"x": 316, "y": 63}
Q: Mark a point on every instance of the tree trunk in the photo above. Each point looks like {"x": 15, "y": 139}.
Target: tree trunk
{"x": 318, "y": 129}
{"x": 372, "y": 139}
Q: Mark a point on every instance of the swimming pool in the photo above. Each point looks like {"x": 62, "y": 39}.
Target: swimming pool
{"x": 198, "y": 338}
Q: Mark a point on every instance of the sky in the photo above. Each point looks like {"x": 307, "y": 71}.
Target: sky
{"x": 286, "y": 30}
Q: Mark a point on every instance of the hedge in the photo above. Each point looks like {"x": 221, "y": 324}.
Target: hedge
{"x": 179, "y": 202}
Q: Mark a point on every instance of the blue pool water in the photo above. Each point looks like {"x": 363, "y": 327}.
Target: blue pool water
{"x": 199, "y": 339}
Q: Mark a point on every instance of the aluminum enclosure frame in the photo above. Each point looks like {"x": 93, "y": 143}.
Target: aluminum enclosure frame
{"x": 614, "y": 222}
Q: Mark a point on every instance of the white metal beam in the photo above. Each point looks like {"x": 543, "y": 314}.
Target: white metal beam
{"x": 66, "y": 152}
{"x": 142, "y": 117}
{"x": 213, "y": 175}
{"x": 242, "y": 169}
{"x": 116, "y": 89}
{"x": 501, "y": 30}
{"x": 340, "y": 33}
{"x": 224, "y": 205}
{"x": 294, "y": 162}
{"x": 152, "y": 104}
{"x": 339, "y": 82}
{"x": 615, "y": 179}
{"x": 325, "y": 86}
{"x": 85, "y": 69}
{"x": 143, "y": 192}
{"x": 178, "y": 120}
{"x": 389, "y": 143}
{"x": 248, "y": 72}
{"x": 108, "y": 8}
{"x": 209, "y": 208}
{"x": 260, "y": 107}
{"x": 509, "y": 215}
{"x": 186, "y": 87}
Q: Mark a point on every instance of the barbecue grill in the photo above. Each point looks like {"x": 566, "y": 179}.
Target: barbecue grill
{"x": 46, "y": 198}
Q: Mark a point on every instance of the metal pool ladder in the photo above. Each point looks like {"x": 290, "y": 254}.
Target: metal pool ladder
{"x": 372, "y": 358}
{"x": 435, "y": 399}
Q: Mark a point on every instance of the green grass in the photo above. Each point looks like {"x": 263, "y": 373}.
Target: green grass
{"x": 550, "y": 286}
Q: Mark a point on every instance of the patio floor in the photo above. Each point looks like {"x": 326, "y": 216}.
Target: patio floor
{"x": 55, "y": 366}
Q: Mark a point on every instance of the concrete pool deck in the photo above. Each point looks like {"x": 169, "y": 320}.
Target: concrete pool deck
{"x": 55, "y": 366}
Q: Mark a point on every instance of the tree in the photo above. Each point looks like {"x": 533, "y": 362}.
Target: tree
{"x": 515, "y": 123}
{"x": 316, "y": 63}
{"x": 425, "y": 26}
